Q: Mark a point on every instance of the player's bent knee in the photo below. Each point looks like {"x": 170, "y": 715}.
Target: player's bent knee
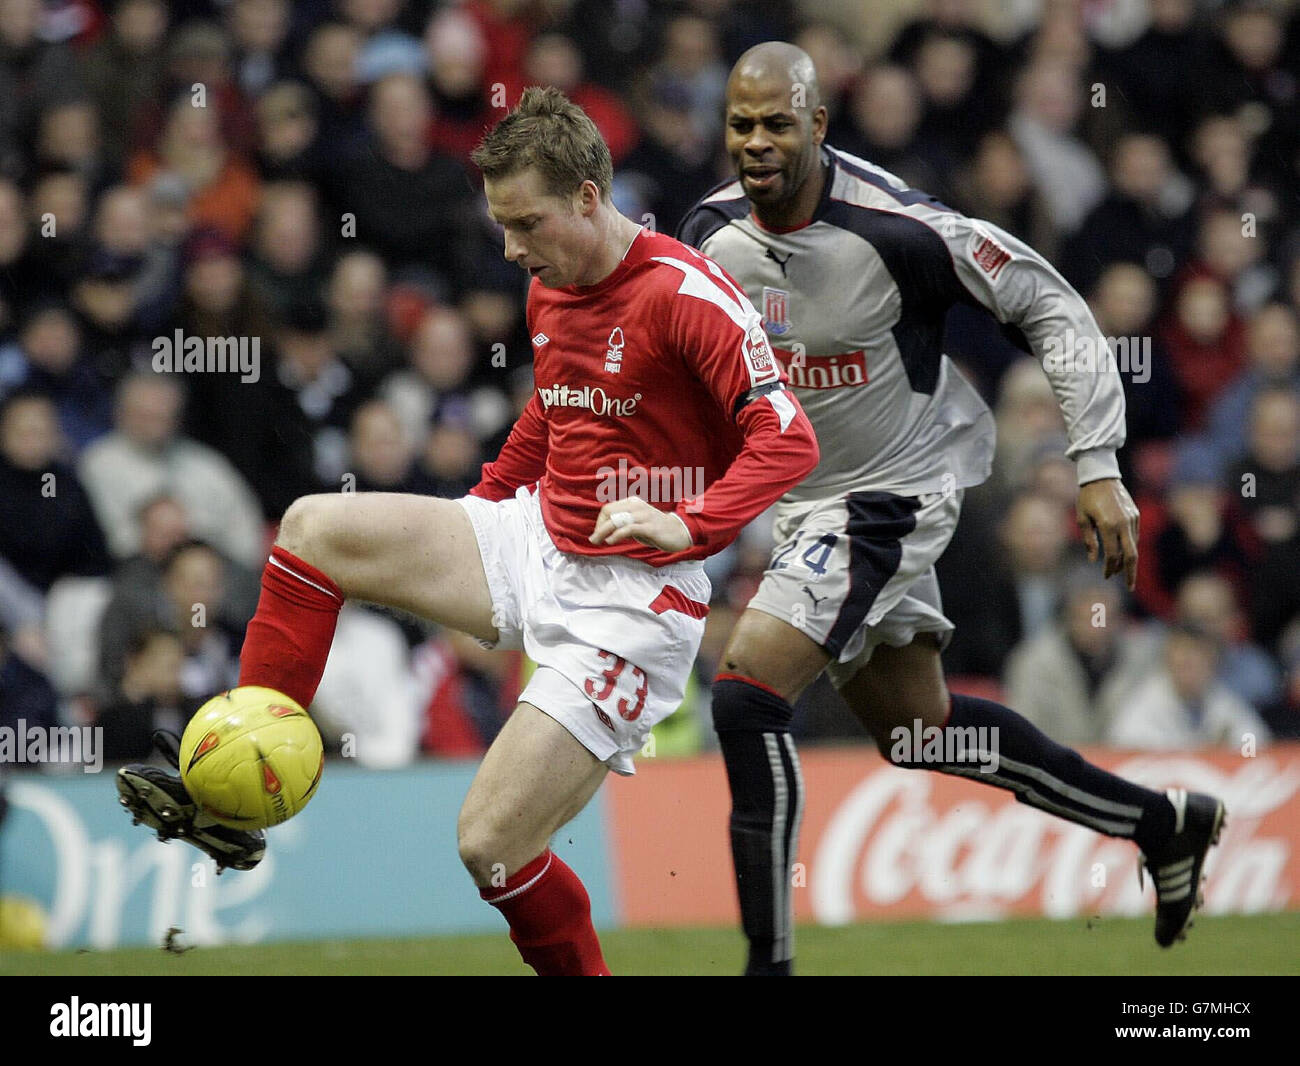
{"x": 487, "y": 847}
{"x": 480, "y": 849}
{"x": 303, "y": 524}
{"x": 740, "y": 662}
{"x": 773, "y": 654}
{"x": 476, "y": 857}
{"x": 331, "y": 528}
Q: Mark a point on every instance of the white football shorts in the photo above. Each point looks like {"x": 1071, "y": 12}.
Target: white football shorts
{"x": 614, "y": 639}
{"x": 857, "y": 571}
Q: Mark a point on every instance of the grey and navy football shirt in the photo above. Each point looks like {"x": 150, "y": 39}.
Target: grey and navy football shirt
{"x": 854, "y": 304}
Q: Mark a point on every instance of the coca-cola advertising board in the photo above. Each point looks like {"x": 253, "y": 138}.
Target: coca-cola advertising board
{"x": 880, "y": 842}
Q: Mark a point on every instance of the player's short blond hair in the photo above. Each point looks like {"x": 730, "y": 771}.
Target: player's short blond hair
{"x": 546, "y": 130}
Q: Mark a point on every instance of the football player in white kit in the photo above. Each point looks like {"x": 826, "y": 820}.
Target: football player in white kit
{"x": 854, "y": 273}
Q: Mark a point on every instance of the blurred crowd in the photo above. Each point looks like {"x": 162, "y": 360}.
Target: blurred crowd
{"x": 293, "y": 179}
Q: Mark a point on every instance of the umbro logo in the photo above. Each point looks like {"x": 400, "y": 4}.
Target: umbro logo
{"x": 540, "y": 339}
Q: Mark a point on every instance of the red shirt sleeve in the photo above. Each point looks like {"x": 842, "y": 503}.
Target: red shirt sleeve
{"x": 522, "y": 460}
{"x": 722, "y": 340}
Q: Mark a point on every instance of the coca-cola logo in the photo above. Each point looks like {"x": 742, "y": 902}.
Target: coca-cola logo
{"x": 762, "y": 367}
{"x": 892, "y": 842}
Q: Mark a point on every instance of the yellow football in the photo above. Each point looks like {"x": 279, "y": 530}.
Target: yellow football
{"x": 251, "y": 757}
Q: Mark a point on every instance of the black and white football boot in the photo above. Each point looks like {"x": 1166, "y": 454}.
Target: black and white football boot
{"x": 158, "y": 799}
{"x": 1176, "y": 868}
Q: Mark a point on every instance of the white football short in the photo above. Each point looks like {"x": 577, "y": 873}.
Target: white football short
{"x": 857, "y": 571}
{"x": 614, "y": 639}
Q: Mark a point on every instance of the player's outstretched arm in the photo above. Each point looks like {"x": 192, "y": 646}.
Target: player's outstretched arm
{"x": 1021, "y": 289}
{"x": 1024, "y": 291}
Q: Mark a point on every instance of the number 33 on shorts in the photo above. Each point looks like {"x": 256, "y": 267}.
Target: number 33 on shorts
{"x": 601, "y": 688}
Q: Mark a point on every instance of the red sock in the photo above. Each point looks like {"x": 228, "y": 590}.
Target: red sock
{"x": 550, "y": 919}
{"x": 289, "y": 637}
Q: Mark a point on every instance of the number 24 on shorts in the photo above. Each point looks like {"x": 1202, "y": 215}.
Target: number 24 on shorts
{"x": 814, "y": 558}
{"x": 598, "y": 689}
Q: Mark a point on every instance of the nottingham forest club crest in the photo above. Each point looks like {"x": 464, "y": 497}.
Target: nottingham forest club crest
{"x": 614, "y": 351}
{"x": 776, "y": 311}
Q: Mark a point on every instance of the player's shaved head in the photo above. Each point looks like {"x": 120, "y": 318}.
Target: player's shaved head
{"x": 775, "y": 126}
{"x": 783, "y": 63}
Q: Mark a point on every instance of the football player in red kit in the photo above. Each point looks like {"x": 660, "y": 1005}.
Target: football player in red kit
{"x": 649, "y": 361}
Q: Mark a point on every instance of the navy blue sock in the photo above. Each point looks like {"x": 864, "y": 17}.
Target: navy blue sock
{"x": 753, "y": 726}
{"x": 1053, "y": 778}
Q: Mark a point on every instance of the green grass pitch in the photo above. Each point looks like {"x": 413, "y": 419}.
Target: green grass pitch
{"x": 1233, "y": 945}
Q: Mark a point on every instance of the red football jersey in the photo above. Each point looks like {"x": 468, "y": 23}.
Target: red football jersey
{"x": 657, "y": 382}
